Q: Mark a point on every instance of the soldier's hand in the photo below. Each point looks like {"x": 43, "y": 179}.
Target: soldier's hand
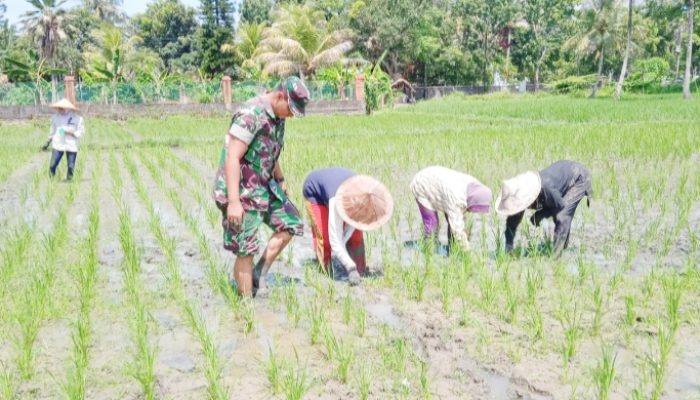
{"x": 283, "y": 185}
{"x": 234, "y": 212}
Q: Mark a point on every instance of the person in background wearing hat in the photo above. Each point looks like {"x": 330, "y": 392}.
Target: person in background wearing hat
{"x": 440, "y": 189}
{"x": 342, "y": 205}
{"x": 249, "y": 187}
{"x": 554, "y": 193}
{"x": 65, "y": 133}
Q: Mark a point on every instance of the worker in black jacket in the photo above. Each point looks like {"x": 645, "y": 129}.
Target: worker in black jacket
{"x": 554, "y": 193}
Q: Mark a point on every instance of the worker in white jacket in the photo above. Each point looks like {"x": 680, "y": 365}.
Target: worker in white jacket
{"x": 440, "y": 189}
{"x": 66, "y": 129}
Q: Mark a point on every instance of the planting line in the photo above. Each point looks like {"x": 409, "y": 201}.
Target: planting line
{"x": 142, "y": 365}
{"x": 85, "y": 280}
{"x": 191, "y": 313}
{"x": 40, "y": 263}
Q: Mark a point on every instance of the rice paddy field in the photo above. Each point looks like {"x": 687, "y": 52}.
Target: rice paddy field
{"x": 115, "y": 285}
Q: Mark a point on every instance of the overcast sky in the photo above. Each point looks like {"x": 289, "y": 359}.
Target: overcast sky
{"x": 15, "y": 8}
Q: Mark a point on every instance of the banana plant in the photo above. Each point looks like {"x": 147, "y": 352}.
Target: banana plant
{"x": 35, "y": 68}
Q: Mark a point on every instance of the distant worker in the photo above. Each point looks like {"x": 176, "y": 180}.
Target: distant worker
{"x": 439, "y": 189}
{"x": 249, "y": 186}
{"x": 64, "y": 137}
{"x": 342, "y": 206}
{"x": 553, "y": 193}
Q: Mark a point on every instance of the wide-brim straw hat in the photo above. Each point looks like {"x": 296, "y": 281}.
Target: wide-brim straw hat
{"x": 518, "y": 193}
{"x": 364, "y": 203}
{"x": 64, "y": 104}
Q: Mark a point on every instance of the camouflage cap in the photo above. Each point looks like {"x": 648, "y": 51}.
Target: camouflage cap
{"x": 297, "y": 94}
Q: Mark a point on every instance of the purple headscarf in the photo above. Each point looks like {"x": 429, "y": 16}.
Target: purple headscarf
{"x": 478, "y": 198}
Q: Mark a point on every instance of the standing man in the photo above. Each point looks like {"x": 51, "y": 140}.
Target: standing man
{"x": 554, "y": 193}
{"x": 440, "y": 189}
{"x": 342, "y": 206}
{"x": 66, "y": 130}
{"x": 250, "y": 189}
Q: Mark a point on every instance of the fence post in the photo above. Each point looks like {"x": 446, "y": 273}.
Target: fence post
{"x": 226, "y": 88}
{"x": 69, "y": 81}
{"x": 360, "y": 87}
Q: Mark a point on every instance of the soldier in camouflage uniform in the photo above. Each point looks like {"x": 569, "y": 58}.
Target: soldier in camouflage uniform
{"x": 250, "y": 189}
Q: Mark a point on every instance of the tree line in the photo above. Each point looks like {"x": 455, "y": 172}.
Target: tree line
{"x": 572, "y": 43}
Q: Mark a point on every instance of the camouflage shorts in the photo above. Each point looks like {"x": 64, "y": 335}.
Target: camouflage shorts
{"x": 243, "y": 240}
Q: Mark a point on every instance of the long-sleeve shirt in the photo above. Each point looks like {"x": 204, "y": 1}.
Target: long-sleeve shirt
{"x": 320, "y": 187}
{"x": 61, "y": 124}
{"x": 564, "y": 184}
{"x": 441, "y": 189}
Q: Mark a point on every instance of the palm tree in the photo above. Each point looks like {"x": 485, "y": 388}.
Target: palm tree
{"x": 300, "y": 41}
{"x": 621, "y": 80}
{"x": 45, "y": 24}
{"x": 105, "y": 10}
{"x": 247, "y": 47}
{"x": 599, "y": 36}
{"x": 689, "y": 52}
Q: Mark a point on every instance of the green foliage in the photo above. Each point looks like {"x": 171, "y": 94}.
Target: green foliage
{"x": 377, "y": 87}
{"x": 573, "y": 84}
{"x": 167, "y": 27}
{"x": 647, "y": 74}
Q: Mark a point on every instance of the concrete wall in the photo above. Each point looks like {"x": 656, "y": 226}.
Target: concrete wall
{"x": 124, "y": 111}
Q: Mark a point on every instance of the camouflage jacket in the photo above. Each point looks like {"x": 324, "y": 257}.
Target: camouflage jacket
{"x": 255, "y": 123}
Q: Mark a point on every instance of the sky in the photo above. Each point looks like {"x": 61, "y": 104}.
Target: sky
{"x": 15, "y": 8}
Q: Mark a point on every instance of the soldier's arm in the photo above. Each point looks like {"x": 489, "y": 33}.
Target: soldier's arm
{"x": 232, "y": 168}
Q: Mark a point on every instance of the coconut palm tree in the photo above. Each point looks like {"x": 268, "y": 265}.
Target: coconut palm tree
{"x": 105, "y": 10}
{"x": 247, "y": 46}
{"x": 300, "y": 41}
{"x": 46, "y": 25}
{"x": 689, "y": 53}
{"x": 628, "y": 46}
{"x": 600, "y": 35}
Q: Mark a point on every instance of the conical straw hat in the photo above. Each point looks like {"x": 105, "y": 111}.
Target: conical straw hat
{"x": 364, "y": 203}
{"x": 518, "y": 193}
{"x": 64, "y": 104}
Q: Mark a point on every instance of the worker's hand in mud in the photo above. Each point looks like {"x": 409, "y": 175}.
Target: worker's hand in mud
{"x": 353, "y": 278}
{"x": 234, "y": 212}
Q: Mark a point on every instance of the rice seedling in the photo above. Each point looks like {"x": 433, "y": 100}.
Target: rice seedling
{"x": 445, "y": 289}
{"x": 659, "y": 363}
{"x": 8, "y": 383}
{"x": 487, "y": 287}
{"x": 597, "y": 301}
{"x": 360, "y": 317}
{"x": 672, "y": 287}
{"x": 317, "y": 320}
{"x": 363, "y": 379}
{"x": 424, "y": 380}
{"x": 296, "y": 381}
{"x": 344, "y": 355}
{"x": 274, "y": 370}
{"x": 572, "y": 332}
{"x": 604, "y": 372}
{"x": 347, "y": 308}
{"x": 291, "y": 302}
{"x": 248, "y": 315}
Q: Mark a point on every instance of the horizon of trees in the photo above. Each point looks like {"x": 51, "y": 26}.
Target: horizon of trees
{"x": 430, "y": 42}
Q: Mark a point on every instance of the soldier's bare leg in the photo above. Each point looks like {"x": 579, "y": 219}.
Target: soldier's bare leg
{"x": 275, "y": 245}
{"x": 243, "y": 274}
